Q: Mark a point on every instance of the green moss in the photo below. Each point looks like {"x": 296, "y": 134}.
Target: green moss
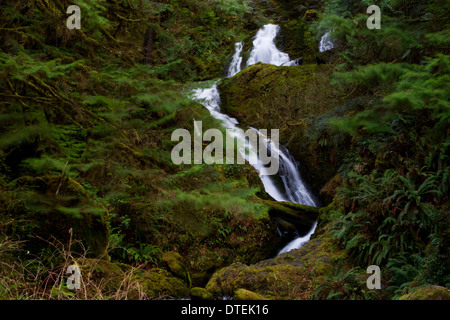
{"x": 292, "y": 275}
{"x": 158, "y": 283}
{"x": 176, "y": 265}
{"x": 295, "y": 213}
{"x": 296, "y": 39}
{"x": 298, "y": 101}
{"x": 243, "y": 294}
{"x": 429, "y": 292}
{"x": 107, "y": 275}
{"x": 201, "y": 293}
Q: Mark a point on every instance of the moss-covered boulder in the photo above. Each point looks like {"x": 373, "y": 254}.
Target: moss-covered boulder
{"x": 101, "y": 275}
{"x": 175, "y": 263}
{"x": 158, "y": 283}
{"x": 311, "y": 15}
{"x": 296, "y": 39}
{"x": 106, "y": 279}
{"x": 329, "y": 191}
{"x": 298, "y": 101}
{"x": 243, "y": 294}
{"x": 429, "y": 292}
{"x": 201, "y": 294}
{"x": 292, "y": 275}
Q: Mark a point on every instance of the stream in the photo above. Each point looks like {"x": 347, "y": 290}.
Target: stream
{"x": 287, "y": 185}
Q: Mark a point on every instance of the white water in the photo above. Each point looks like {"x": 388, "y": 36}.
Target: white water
{"x": 298, "y": 242}
{"x": 236, "y": 62}
{"x": 265, "y": 50}
{"x": 291, "y": 187}
{"x": 325, "y": 42}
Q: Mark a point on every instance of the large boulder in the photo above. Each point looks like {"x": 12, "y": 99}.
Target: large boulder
{"x": 297, "y": 101}
{"x": 292, "y": 275}
{"x": 175, "y": 263}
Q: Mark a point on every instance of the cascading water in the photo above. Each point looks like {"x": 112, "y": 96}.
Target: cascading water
{"x": 236, "y": 62}
{"x": 291, "y": 188}
{"x": 265, "y": 50}
{"x": 325, "y": 42}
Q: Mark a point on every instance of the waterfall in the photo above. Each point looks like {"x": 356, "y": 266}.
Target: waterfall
{"x": 288, "y": 184}
{"x": 265, "y": 51}
{"x": 236, "y": 62}
{"x": 299, "y": 241}
{"x": 325, "y": 42}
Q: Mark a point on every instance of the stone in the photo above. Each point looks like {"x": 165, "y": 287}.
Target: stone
{"x": 243, "y": 294}
{"x": 201, "y": 294}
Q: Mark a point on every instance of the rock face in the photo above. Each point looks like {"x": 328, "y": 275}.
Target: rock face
{"x": 294, "y": 213}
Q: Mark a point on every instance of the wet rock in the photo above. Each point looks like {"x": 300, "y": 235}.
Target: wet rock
{"x": 269, "y": 97}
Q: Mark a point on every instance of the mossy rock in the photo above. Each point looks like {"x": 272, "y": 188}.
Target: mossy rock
{"x": 158, "y": 283}
{"x": 297, "y": 214}
{"x": 201, "y": 294}
{"x": 118, "y": 279}
{"x": 296, "y": 39}
{"x": 297, "y": 101}
{"x": 311, "y": 15}
{"x": 243, "y": 294}
{"x": 429, "y": 292}
{"x": 292, "y": 275}
{"x": 175, "y": 263}
{"x": 107, "y": 276}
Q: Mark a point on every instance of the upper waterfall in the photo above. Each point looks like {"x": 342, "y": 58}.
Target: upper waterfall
{"x": 325, "y": 42}
{"x": 265, "y": 51}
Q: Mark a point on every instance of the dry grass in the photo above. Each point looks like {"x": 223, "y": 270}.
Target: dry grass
{"x": 36, "y": 279}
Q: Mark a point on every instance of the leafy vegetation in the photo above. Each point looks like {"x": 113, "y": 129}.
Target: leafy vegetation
{"x": 393, "y": 207}
{"x": 86, "y": 176}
